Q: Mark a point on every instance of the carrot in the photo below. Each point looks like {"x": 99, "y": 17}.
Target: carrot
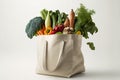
{"x": 41, "y": 32}
{"x": 67, "y": 22}
{"x": 72, "y": 18}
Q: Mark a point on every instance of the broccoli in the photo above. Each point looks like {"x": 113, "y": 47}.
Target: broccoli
{"x": 33, "y": 26}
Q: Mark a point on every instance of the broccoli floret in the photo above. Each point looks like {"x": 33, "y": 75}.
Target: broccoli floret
{"x": 33, "y": 26}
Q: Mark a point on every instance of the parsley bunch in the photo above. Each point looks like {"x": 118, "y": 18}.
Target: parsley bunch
{"x": 85, "y": 24}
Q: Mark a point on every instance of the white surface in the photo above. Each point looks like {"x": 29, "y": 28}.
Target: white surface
{"x": 22, "y": 67}
{"x": 18, "y": 53}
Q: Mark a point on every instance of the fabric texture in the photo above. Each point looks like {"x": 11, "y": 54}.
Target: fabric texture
{"x": 59, "y": 55}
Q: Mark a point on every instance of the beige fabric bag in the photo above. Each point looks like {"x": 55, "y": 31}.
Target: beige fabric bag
{"x": 60, "y": 55}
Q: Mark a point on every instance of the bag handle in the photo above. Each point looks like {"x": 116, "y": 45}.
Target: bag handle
{"x": 45, "y": 67}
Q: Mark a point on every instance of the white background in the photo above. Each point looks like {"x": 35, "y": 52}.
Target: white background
{"x": 18, "y": 53}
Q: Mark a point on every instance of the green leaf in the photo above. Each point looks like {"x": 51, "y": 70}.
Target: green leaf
{"x": 61, "y": 17}
{"x": 84, "y": 23}
{"x": 91, "y": 45}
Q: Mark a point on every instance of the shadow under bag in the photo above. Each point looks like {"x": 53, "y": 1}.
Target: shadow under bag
{"x": 60, "y": 55}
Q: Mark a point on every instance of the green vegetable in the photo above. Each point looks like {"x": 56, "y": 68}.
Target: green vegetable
{"x": 33, "y": 26}
{"x": 59, "y": 20}
{"x": 58, "y": 32}
{"x": 91, "y": 45}
{"x": 48, "y": 20}
{"x": 84, "y": 21}
{"x": 44, "y": 13}
{"x": 61, "y": 17}
{"x": 85, "y": 24}
{"x": 53, "y": 18}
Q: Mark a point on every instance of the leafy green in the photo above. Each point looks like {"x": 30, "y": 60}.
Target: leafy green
{"x": 57, "y": 18}
{"x": 33, "y": 26}
{"x": 53, "y": 16}
{"x": 44, "y": 13}
{"x": 61, "y": 17}
{"x": 84, "y": 22}
{"x": 91, "y": 45}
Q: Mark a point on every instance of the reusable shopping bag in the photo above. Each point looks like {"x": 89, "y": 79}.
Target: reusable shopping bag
{"x": 59, "y": 55}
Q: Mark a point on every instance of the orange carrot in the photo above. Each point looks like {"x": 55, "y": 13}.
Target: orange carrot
{"x": 41, "y": 32}
{"x": 72, "y": 18}
{"x": 67, "y": 22}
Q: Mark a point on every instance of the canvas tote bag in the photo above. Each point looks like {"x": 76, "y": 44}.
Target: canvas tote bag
{"x": 59, "y": 55}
